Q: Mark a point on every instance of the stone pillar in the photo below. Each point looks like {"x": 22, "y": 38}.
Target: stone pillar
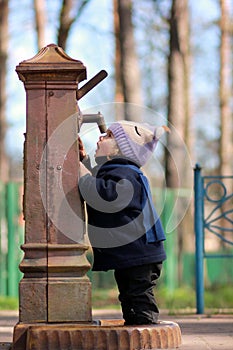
{"x": 55, "y": 287}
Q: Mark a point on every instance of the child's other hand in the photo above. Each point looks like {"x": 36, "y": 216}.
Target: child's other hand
{"x": 82, "y": 151}
{"x": 83, "y": 170}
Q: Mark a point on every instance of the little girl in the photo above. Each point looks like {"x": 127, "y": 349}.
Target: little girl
{"x": 124, "y": 229}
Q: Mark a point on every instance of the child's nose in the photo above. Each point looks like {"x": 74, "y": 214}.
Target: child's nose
{"x": 101, "y": 138}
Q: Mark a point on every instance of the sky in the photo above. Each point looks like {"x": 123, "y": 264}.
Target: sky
{"x": 91, "y": 41}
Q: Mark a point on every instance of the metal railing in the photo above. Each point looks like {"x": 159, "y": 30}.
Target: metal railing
{"x": 213, "y": 215}
{"x": 11, "y": 237}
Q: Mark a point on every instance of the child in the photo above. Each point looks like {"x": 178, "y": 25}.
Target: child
{"x": 124, "y": 229}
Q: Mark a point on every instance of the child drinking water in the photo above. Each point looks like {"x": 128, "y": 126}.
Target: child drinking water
{"x": 124, "y": 229}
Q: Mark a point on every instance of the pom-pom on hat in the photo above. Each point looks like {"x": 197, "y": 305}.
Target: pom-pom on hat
{"x": 137, "y": 141}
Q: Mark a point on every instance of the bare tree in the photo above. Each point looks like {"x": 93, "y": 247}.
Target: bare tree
{"x": 179, "y": 109}
{"x": 70, "y": 11}
{"x": 119, "y": 95}
{"x": 40, "y": 19}
{"x": 178, "y": 168}
{"x": 225, "y": 91}
{"x": 4, "y": 165}
{"x": 127, "y": 69}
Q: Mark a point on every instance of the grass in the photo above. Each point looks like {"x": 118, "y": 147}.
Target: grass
{"x": 217, "y": 299}
{"x": 8, "y": 303}
{"x": 105, "y": 299}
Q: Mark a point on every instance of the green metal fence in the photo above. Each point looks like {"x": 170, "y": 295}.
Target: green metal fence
{"x": 11, "y": 237}
{"x": 12, "y": 232}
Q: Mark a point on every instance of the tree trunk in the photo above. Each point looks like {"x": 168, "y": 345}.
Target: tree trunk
{"x": 119, "y": 95}
{"x": 40, "y": 19}
{"x": 4, "y": 164}
{"x": 178, "y": 167}
{"x": 179, "y": 114}
{"x": 225, "y": 91}
{"x": 127, "y": 61}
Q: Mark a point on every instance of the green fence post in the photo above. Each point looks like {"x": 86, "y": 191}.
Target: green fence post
{"x": 11, "y": 215}
{"x": 170, "y": 264}
{"x": 3, "y": 248}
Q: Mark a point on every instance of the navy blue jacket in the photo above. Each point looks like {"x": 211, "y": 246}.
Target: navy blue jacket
{"x": 117, "y": 211}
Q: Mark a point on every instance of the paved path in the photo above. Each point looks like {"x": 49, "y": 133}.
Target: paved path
{"x": 199, "y": 332}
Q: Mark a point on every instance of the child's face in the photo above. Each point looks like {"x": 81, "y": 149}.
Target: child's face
{"x": 106, "y": 146}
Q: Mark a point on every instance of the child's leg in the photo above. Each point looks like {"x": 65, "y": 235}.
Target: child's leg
{"x": 136, "y": 295}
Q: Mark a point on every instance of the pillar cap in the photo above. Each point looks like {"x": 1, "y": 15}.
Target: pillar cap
{"x": 51, "y": 54}
{"x": 50, "y": 59}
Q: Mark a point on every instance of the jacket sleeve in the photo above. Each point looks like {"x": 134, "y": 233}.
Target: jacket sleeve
{"x": 86, "y": 161}
{"x": 107, "y": 195}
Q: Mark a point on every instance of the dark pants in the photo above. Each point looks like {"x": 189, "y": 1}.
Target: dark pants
{"x": 136, "y": 295}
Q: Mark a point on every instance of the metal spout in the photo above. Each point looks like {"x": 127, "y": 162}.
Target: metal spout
{"x": 95, "y": 118}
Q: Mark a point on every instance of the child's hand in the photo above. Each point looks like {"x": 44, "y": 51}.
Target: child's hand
{"x": 83, "y": 170}
{"x": 82, "y": 151}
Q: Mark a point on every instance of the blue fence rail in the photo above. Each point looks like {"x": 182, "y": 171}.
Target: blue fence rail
{"x": 213, "y": 215}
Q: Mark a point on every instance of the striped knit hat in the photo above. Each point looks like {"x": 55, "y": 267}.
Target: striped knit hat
{"x": 136, "y": 141}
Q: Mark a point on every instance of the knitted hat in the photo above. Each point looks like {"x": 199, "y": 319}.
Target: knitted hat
{"x": 136, "y": 141}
